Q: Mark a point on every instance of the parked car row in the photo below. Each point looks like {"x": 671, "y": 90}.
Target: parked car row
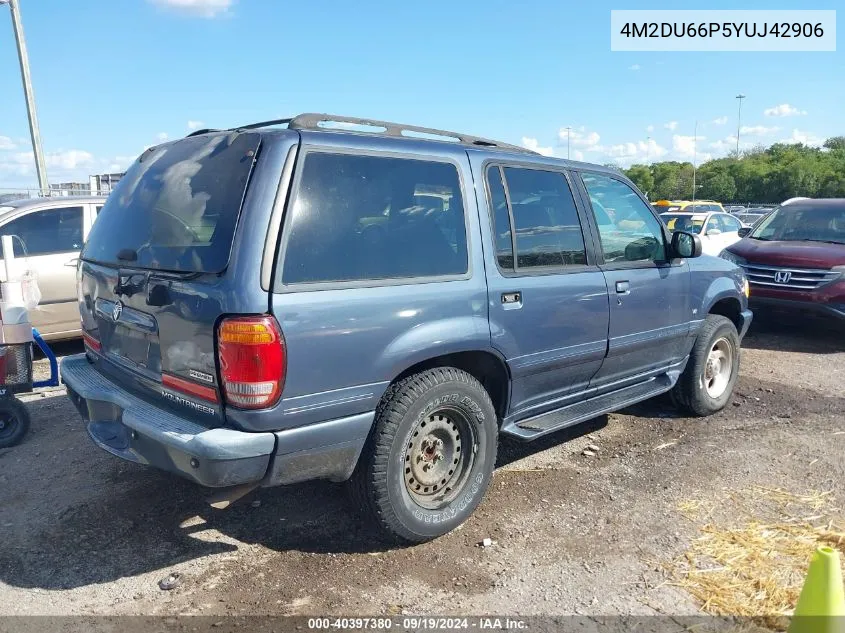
{"x": 794, "y": 254}
{"x": 717, "y": 231}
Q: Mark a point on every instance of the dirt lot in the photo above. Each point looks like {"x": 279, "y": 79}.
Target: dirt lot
{"x": 83, "y": 532}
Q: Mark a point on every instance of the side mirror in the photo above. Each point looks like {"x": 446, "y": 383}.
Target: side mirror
{"x": 714, "y": 232}
{"x": 745, "y": 230}
{"x": 686, "y": 245}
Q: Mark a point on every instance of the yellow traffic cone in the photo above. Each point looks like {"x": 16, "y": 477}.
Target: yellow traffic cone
{"x": 821, "y": 605}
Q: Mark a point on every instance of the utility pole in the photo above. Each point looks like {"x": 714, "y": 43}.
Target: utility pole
{"x": 28, "y": 95}
{"x": 647, "y": 150}
{"x": 739, "y": 121}
{"x": 694, "y": 142}
{"x": 568, "y": 130}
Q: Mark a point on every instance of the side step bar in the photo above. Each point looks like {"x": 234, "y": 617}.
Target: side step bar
{"x": 545, "y": 423}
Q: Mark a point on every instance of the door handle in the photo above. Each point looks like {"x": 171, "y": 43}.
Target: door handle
{"x": 623, "y": 288}
{"x": 511, "y": 297}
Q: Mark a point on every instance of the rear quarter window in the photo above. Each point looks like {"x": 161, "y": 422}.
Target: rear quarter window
{"x": 355, "y": 218}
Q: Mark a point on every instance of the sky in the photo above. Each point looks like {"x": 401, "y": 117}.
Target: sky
{"x": 113, "y": 77}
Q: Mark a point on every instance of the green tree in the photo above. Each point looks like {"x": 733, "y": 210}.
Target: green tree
{"x": 718, "y": 186}
{"x": 642, "y": 177}
{"x": 759, "y": 175}
{"x": 835, "y": 142}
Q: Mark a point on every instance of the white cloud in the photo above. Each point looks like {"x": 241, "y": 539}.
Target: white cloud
{"x": 807, "y": 138}
{"x": 720, "y": 120}
{"x": 687, "y": 146}
{"x": 162, "y": 136}
{"x": 577, "y": 155}
{"x": 639, "y": 152}
{"x": 634, "y": 67}
{"x": 6, "y": 143}
{"x": 580, "y": 137}
{"x": 195, "y": 125}
{"x": 671, "y": 125}
{"x": 757, "y": 130}
{"x": 650, "y": 128}
{"x": 198, "y": 8}
{"x": 68, "y": 160}
{"x": 723, "y": 146}
{"x": 534, "y": 145}
{"x": 784, "y": 109}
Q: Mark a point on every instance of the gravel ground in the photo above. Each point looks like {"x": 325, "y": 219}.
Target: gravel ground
{"x": 85, "y": 533}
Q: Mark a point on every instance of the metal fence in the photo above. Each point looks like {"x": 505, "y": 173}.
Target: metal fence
{"x": 12, "y": 194}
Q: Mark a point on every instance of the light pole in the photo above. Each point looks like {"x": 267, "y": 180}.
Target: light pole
{"x": 647, "y": 150}
{"x": 738, "y": 121}
{"x": 28, "y": 95}
{"x": 694, "y": 142}
{"x": 568, "y": 130}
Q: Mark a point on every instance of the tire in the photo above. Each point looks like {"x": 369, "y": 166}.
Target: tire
{"x": 412, "y": 487}
{"x": 704, "y": 391}
{"x": 14, "y": 421}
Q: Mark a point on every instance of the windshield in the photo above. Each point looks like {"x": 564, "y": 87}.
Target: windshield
{"x": 177, "y": 206}
{"x": 686, "y": 223}
{"x": 803, "y": 223}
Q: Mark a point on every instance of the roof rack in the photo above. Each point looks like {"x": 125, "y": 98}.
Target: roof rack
{"x": 313, "y": 121}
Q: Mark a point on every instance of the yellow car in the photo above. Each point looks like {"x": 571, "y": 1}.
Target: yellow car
{"x": 688, "y": 206}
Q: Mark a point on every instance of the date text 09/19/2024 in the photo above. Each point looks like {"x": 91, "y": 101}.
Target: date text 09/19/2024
{"x": 418, "y": 623}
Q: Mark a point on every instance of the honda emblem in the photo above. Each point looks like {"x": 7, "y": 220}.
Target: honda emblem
{"x": 783, "y": 276}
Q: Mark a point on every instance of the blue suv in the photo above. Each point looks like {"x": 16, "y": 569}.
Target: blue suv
{"x": 348, "y": 299}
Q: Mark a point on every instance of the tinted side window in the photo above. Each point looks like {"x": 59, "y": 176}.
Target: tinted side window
{"x": 367, "y": 217}
{"x": 635, "y": 234}
{"x": 548, "y": 231}
{"x": 501, "y": 218}
{"x": 46, "y": 232}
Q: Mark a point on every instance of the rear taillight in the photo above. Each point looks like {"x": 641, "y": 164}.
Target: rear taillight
{"x": 252, "y": 361}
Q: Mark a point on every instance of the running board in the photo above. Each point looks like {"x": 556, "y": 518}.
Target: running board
{"x": 537, "y": 426}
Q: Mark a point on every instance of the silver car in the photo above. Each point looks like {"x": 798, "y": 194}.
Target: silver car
{"x": 52, "y": 232}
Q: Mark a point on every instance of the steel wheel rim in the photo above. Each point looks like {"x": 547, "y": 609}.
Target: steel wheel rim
{"x": 438, "y": 458}
{"x": 718, "y": 368}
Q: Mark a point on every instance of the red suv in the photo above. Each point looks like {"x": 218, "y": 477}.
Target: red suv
{"x": 795, "y": 257}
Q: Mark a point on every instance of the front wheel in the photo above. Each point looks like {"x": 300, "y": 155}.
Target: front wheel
{"x": 707, "y": 384}
{"x": 14, "y": 421}
{"x": 430, "y": 456}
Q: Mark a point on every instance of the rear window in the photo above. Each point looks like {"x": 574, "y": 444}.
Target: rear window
{"x": 177, "y": 207}
{"x": 367, "y": 218}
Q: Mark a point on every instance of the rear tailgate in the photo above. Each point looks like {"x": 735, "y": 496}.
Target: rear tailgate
{"x": 149, "y": 281}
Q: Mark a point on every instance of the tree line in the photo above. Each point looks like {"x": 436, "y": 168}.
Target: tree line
{"x": 761, "y": 175}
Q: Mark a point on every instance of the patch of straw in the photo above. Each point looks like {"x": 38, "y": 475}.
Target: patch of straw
{"x": 757, "y": 569}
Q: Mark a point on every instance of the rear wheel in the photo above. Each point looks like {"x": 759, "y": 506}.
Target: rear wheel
{"x": 14, "y": 421}
{"x": 430, "y": 457}
{"x": 707, "y": 384}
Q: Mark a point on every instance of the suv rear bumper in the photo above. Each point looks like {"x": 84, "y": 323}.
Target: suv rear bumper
{"x": 132, "y": 428}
